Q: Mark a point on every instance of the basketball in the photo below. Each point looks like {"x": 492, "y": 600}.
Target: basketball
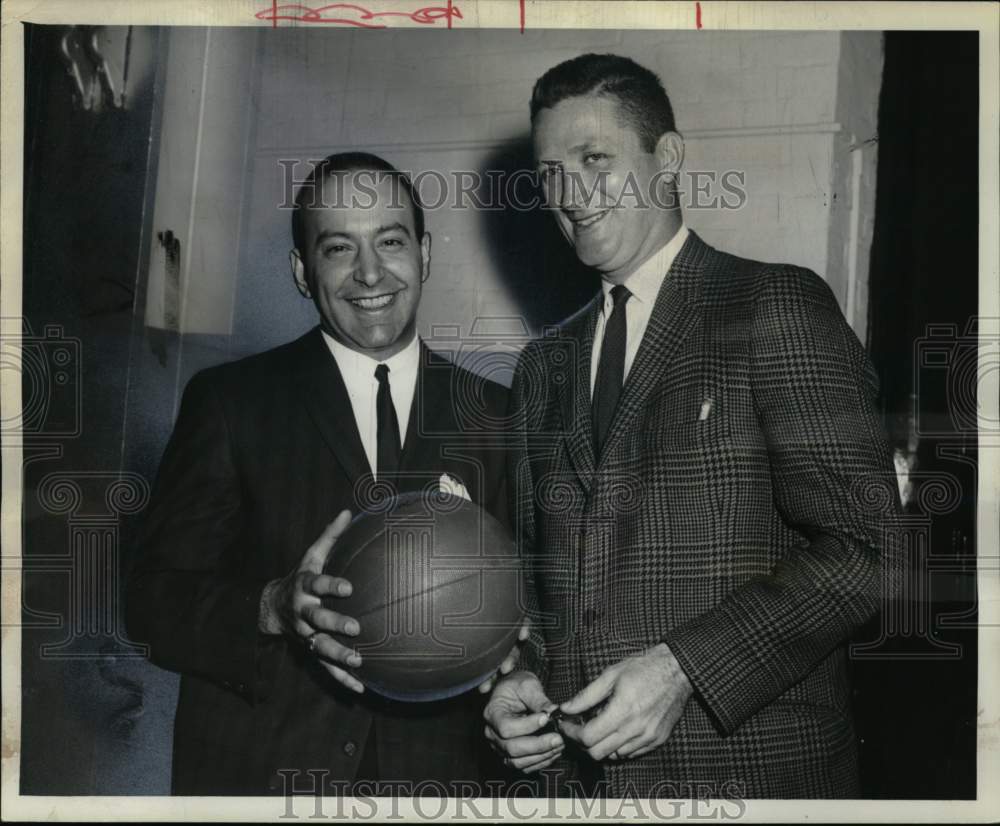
{"x": 436, "y": 591}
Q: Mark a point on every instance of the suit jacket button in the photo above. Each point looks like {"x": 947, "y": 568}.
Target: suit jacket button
{"x": 349, "y": 748}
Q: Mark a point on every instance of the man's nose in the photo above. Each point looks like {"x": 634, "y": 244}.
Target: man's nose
{"x": 569, "y": 194}
{"x": 368, "y": 270}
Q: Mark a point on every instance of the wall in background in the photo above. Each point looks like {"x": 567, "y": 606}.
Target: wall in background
{"x": 788, "y": 110}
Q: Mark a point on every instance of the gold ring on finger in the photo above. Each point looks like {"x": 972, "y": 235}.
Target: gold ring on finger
{"x": 311, "y": 642}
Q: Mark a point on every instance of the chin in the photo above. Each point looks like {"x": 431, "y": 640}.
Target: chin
{"x": 379, "y": 343}
{"x": 597, "y": 259}
{"x": 384, "y": 339}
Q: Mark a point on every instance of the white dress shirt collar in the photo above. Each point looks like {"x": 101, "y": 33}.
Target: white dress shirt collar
{"x": 358, "y": 371}
{"x": 644, "y": 285}
{"x": 354, "y": 363}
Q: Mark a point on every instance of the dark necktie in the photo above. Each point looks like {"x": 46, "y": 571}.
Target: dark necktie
{"x": 610, "y": 369}
{"x": 389, "y": 448}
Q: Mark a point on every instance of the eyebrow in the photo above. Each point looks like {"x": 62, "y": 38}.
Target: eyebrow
{"x": 393, "y": 227}
{"x": 327, "y": 234}
{"x": 580, "y": 147}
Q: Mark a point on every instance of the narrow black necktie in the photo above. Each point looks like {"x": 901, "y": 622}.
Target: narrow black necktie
{"x": 389, "y": 447}
{"x": 610, "y": 369}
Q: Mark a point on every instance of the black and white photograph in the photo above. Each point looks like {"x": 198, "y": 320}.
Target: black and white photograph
{"x": 500, "y": 410}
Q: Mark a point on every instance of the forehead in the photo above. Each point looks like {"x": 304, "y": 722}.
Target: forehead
{"x": 581, "y": 120}
{"x": 358, "y": 202}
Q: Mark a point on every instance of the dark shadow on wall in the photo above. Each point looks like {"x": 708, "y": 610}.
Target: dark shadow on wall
{"x": 536, "y": 262}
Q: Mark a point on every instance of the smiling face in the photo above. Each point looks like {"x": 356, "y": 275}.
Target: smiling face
{"x": 599, "y": 181}
{"x": 363, "y": 265}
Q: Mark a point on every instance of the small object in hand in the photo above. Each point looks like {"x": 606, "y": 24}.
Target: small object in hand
{"x": 311, "y": 642}
{"x": 557, "y": 715}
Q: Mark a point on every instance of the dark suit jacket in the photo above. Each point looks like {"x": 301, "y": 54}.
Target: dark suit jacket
{"x": 264, "y": 453}
{"x": 739, "y": 513}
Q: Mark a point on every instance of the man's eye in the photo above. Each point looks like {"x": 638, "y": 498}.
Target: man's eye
{"x": 594, "y": 157}
{"x": 336, "y": 249}
{"x": 394, "y": 243}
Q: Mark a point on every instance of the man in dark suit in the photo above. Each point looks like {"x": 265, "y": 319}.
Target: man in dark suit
{"x": 228, "y": 584}
{"x": 703, "y": 494}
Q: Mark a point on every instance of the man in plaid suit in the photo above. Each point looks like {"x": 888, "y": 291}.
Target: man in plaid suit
{"x": 701, "y": 486}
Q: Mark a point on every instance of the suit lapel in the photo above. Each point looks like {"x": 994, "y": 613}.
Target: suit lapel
{"x": 432, "y": 411}
{"x": 574, "y": 394}
{"x": 674, "y": 316}
{"x": 325, "y": 398}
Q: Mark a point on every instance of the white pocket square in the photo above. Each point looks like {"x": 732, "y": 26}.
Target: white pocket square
{"x": 449, "y": 484}
{"x": 706, "y": 409}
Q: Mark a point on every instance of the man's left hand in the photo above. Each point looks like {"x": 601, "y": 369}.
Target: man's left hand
{"x": 645, "y": 695}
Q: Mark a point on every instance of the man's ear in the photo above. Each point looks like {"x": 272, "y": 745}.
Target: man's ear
{"x": 425, "y": 257}
{"x": 670, "y": 153}
{"x": 299, "y": 273}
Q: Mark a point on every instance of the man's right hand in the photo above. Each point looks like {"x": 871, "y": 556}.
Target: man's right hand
{"x": 516, "y": 711}
{"x": 293, "y": 605}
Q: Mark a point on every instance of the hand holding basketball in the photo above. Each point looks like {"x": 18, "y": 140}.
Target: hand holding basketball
{"x": 293, "y": 606}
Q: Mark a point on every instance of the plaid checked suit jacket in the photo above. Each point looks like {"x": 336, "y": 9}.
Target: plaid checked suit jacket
{"x": 264, "y": 453}
{"x": 740, "y": 512}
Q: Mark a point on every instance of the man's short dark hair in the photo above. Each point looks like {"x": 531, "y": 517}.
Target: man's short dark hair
{"x": 349, "y": 162}
{"x": 639, "y": 92}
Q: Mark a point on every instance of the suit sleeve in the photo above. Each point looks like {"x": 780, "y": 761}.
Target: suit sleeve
{"x": 522, "y": 509}
{"x": 187, "y": 596}
{"x": 814, "y": 392}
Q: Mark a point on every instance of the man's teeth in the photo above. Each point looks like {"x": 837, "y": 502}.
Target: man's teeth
{"x": 373, "y": 303}
{"x": 593, "y": 219}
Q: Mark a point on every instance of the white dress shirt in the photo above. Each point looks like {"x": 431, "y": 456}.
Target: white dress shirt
{"x": 358, "y": 371}
{"x": 644, "y": 284}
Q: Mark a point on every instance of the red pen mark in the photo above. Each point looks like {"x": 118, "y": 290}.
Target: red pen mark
{"x": 365, "y": 19}
{"x": 697, "y": 15}
{"x": 522, "y": 16}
